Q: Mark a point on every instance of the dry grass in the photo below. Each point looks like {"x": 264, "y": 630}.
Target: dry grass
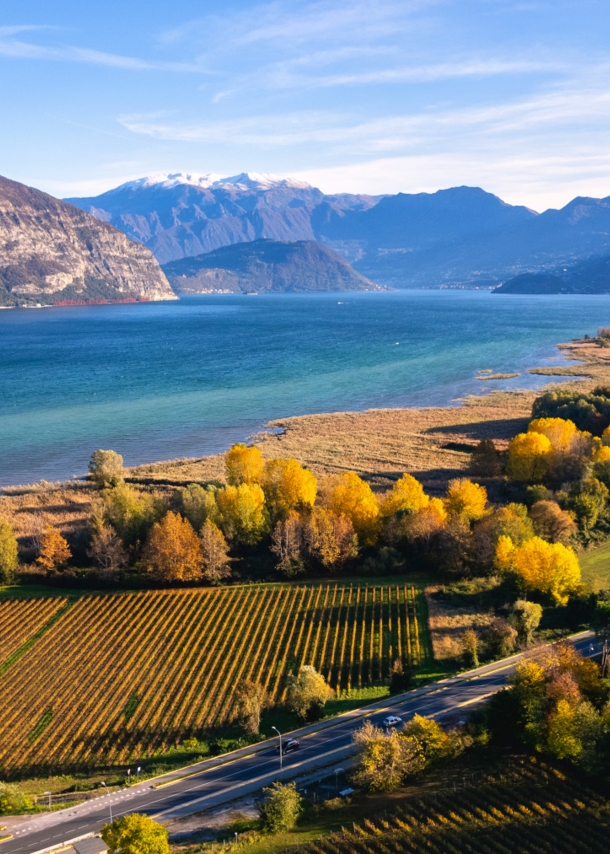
{"x": 448, "y": 622}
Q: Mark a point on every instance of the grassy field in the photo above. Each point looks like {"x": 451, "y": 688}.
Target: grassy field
{"x": 117, "y": 677}
{"x": 595, "y": 567}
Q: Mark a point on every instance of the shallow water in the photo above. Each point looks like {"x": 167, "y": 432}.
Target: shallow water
{"x": 188, "y": 378}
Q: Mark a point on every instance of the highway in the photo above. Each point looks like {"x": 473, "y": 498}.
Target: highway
{"x": 214, "y": 783}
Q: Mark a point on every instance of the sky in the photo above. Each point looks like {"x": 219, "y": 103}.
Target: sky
{"x": 362, "y": 96}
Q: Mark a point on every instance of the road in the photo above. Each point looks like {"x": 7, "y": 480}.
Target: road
{"x": 327, "y": 745}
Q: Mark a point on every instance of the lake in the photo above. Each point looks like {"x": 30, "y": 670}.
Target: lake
{"x": 162, "y": 380}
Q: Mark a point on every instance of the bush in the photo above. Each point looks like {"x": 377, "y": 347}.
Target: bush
{"x": 135, "y": 834}
{"x": 12, "y": 800}
{"x": 281, "y": 807}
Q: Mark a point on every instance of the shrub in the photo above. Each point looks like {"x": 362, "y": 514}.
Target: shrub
{"x": 135, "y": 834}
{"x": 281, "y": 807}
{"x": 12, "y": 800}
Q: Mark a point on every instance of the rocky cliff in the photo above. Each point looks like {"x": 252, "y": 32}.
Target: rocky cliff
{"x": 267, "y": 266}
{"x": 52, "y": 252}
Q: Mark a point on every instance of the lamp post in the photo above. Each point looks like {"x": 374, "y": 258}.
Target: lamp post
{"x": 49, "y": 794}
{"x": 109, "y": 802}
{"x": 281, "y": 754}
{"x": 138, "y": 774}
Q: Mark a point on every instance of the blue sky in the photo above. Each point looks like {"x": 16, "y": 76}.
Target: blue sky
{"x": 377, "y": 96}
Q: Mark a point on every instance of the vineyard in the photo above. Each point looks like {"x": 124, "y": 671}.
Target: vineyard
{"x": 21, "y": 619}
{"x": 526, "y": 808}
{"x": 118, "y": 677}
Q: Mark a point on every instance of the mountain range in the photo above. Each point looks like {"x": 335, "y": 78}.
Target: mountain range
{"x": 52, "y": 252}
{"x": 266, "y": 266}
{"x": 461, "y": 236}
{"x": 585, "y": 277}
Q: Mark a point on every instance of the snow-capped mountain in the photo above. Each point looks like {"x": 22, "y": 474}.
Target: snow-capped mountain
{"x": 246, "y": 180}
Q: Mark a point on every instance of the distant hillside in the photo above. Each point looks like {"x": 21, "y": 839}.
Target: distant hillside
{"x": 266, "y": 265}
{"x": 453, "y": 237}
{"x": 182, "y": 215}
{"x": 52, "y": 252}
{"x": 586, "y": 277}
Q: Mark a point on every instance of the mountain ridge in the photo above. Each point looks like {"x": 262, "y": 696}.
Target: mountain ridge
{"x": 51, "y": 251}
{"x": 266, "y": 266}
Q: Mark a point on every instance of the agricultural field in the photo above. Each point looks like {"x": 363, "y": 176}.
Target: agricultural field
{"x": 21, "y": 621}
{"x": 118, "y": 677}
{"x": 595, "y": 567}
{"x": 528, "y": 807}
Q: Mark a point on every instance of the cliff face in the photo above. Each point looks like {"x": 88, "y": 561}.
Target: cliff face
{"x": 51, "y": 251}
{"x": 267, "y": 266}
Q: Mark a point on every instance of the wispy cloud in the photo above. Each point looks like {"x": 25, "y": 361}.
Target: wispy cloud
{"x": 18, "y": 49}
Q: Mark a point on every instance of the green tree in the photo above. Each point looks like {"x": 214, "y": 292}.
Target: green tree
{"x": 12, "y": 800}
{"x": 587, "y": 499}
{"x": 429, "y": 738}
{"x": 384, "y": 758}
{"x": 281, "y": 807}
{"x": 198, "y": 504}
{"x": 132, "y": 514}
{"x": 9, "y": 553}
{"x": 525, "y": 618}
{"x": 308, "y": 692}
{"x": 106, "y": 468}
{"x": 135, "y": 834}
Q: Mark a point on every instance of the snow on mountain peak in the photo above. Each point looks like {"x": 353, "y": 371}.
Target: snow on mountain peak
{"x": 248, "y": 180}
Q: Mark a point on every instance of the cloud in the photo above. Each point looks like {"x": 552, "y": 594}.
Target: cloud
{"x": 17, "y": 49}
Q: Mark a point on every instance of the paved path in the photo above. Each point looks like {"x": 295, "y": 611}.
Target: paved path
{"x": 218, "y": 781}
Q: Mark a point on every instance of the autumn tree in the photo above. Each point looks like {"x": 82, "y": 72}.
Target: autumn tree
{"x": 328, "y": 539}
{"x": 54, "y": 550}
{"x": 465, "y": 500}
{"x": 588, "y": 500}
{"x": 13, "y": 801}
{"x": 106, "y": 549}
{"x": 406, "y": 495}
{"x": 132, "y": 514}
{"x": 173, "y": 551}
{"x": 307, "y": 692}
{"x": 430, "y": 739}
{"x": 485, "y": 460}
{"x": 106, "y": 469}
{"x": 470, "y": 647}
{"x": 244, "y": 464}
{"x": 384, "y": 758}
{"x": 287, "y": 486}
{"x": 242, "y": 513}
{"x": 348, "y": 495}
{"x": 135, "y": 834}
{"x": 529, "y": 457}
{"x": 551, "y": 522}
{"x": 280, "y": 808}
{"x": 422, "y": 525}
{"x": 525, "y": 618}
{"x": 511, "y": 520}
{"x": 288, "y": 545}
{"x": 550, "y": 568}
{"x": 251, "y": 699}
{"x": 9, "y": 553}
{"x": 214, "y": 553}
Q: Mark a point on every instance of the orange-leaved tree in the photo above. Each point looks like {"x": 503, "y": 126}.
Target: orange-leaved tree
{"x": 173, "y": 550}
{"x": 54, "y": 550}
{"x": 348, "y": 495}
{"x": 328, "y": 539}
{"x": 244, "y": 464}
{"x": 407, "y": 494}
{"x": 287, "y": 486}
{"x": 466, "y": 501}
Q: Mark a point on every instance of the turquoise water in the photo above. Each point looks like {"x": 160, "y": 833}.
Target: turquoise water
{"x": 188, "y": 378}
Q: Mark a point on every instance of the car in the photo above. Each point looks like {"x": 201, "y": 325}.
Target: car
{"x": 391, "y": 721}
{"x": 288, "y": 746}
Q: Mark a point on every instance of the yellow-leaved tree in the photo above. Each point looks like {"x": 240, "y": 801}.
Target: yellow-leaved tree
{"x": 407, "y": 494}
{"x": 529, "y": 457}
{"x": 242, "y": 513}
{"x": 173, "y": 550}
{"x": 550, "y": 568}
{"x": 287, "y": 486}
{"x": 465, "y": 500}
{"x": 560, "y": 432}
{"x": 54, "y": 550}
{"x": 244, "y": 464}
{"x": 348, "y": 495}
